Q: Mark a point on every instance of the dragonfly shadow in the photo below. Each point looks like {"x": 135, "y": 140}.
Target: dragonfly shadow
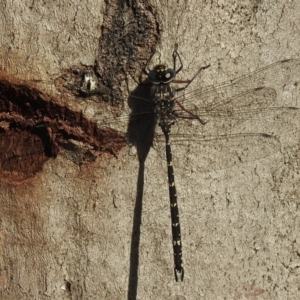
{"x": 141, "y": 125}
{"x": 140, "y": 133}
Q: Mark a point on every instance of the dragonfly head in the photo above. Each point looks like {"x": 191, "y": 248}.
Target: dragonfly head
{"x": 161, "y": 74}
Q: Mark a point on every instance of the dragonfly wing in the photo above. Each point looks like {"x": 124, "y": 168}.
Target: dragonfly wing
{"x": 251, "y": 93}
{"x": 208, "y": 153}
{"x": 234, "y": 110}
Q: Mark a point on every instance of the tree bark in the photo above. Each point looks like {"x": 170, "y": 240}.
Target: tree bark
{"x": 83, "y": 216}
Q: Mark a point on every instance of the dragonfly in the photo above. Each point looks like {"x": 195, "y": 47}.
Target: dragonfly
{"x": 223, "y": 107}
{"x": 214, "y": 114}
{"x": 163, "y": 96}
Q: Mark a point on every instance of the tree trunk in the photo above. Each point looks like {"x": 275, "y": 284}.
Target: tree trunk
{"x": 84, "y": 215}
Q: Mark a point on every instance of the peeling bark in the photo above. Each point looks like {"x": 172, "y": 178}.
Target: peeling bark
{"x": 33, "y": 127}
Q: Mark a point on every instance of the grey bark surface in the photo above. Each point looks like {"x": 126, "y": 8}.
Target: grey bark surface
{"x": 66, "y": 233}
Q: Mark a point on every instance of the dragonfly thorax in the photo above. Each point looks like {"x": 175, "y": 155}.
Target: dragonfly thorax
{"x": 161, "y": 74}
{"x": 163, "y": 95}
{"x": 164, "y": 110}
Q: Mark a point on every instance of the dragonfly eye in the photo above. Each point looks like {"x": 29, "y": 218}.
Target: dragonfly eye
{"x": 161, "y": 75}
{"x": 168, "y": 76}
{"x": 153, "y": 76}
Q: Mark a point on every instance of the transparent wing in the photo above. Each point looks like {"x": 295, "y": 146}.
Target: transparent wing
{"x": 253, "y": 91}
{"x": 207, "y": 153}
{"x": 270, "y": 88}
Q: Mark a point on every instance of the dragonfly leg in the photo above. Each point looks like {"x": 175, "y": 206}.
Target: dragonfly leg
{"x": 146, "y": 70}
{"x": 190, "y": 113}
{"x": 189, "y": 81}
{"x": 175, "y": 55}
